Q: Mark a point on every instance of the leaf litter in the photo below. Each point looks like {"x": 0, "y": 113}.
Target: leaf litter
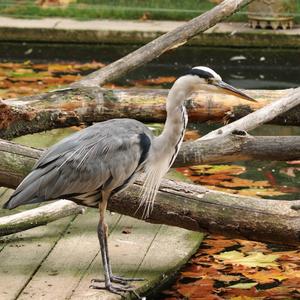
{"x": 238, "y": 269}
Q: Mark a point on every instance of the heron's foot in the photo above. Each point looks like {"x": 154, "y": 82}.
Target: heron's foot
{"x": 119, "y": 279}
{"x": 120, "y": 290}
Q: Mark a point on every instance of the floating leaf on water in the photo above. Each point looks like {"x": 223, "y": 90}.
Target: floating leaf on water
{"x": 260, "y": 192}
{"x": 218, "y": 169}
{"x": 254, "y": 259}
{"x": 191, "y": 135}
{"x": 265, "y": 276}
{"x": 241, "y": 182}
{"x": 291, "y": 171}
{"x": 247, "y": 285}
{"x": 155, "y": 81}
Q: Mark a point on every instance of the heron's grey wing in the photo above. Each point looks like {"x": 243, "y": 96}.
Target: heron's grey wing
{"x": 103, "y": 156}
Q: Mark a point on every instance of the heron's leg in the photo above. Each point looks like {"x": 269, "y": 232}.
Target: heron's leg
{"x": 102, "y": 236}
{"x": 115, "y": 278}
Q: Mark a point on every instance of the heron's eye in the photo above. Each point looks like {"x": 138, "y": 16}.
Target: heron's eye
{"x": 210, "y": 80}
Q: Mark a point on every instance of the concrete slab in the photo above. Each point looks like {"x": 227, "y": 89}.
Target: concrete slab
{"x": 59, "y": 30}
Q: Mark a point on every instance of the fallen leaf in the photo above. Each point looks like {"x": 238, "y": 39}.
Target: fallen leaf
{"x": 155, "y": 81}
{"x": 198, "y": 289}
{"x": 291, "y": 171}
{"x": 265, "y": 276}
{"x": 191, "y": 135}
{"x": 260, "y": 192}
{"x": 240, "y": 182}
{"x": 253, "y": 259}
{"x": 247, "y": 285}
{"x": 218, "y": 169}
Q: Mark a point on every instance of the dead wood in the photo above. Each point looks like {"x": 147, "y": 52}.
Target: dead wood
{"x": 38, "y": 216}
{"x": 76, "y": 106}
{"x": 16, "y": 160}
{"x": 261, "y": 116}
{"x": 238, "y": 146}
{"x": 196, "y": 208}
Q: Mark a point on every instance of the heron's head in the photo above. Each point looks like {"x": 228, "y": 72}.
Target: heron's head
{"x": 206, "y": 79}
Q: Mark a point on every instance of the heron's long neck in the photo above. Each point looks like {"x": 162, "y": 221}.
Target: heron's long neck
{"x": 168, "y": 143}
{"x": 166, "y": 146}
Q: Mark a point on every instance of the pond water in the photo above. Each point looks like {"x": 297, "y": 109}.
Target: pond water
{"x": 249, "y": 68}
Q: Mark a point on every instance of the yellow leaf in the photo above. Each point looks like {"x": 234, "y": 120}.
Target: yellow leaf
{"x": 253, "y": 259}
{"x": 260, "y": 192}
{"x": 218, "y": 169}
{"x": 266, "y": 276}
{"x": 247, "y": 285}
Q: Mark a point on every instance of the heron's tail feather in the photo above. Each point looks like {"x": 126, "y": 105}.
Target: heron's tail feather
{"x": 28, "y": 190}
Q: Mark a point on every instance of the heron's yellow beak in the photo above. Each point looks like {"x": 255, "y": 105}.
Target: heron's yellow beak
{"x": 228, "y": 89}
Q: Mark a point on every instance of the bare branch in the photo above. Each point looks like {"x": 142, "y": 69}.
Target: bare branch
{"x": 261, "y": 116}
{"x": 155, "y": 48}
{"x": 238, "y": 146}
{"x": 38, "y": 216}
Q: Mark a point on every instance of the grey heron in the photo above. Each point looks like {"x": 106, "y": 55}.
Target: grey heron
{"x": 99, "y": 161}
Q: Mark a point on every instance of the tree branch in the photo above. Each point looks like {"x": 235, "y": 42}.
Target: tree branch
{"x": 155, "y": 48}
{"x": 261, "y": 116}
{"x": 38, "y": 216}
{"x": 238, "y": 146}
{"x": 16, "y": 161}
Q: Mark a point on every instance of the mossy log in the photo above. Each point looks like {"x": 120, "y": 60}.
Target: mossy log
{"x": 70, "y": 106}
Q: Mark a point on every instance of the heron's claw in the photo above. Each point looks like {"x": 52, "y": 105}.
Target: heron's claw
{"x": 119, "y": 279}
{"x": 115, "y": 277}
{"x": 120, "y": 290}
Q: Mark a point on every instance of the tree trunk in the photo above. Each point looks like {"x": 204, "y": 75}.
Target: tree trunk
{"x": 75, "y": 106}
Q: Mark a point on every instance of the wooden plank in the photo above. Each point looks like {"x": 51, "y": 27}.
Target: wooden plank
{"x": 128, "y": 246}
{"x": 62, "y": 270}
{"x": 170, "y": 250}
{"x": 23, "y": 254}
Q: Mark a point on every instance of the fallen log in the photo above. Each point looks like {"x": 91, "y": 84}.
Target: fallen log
{"x": 16, "y": 160}
{"x": 73, "y": 107}
{"x": 196, "y": 208}
{"x": 237, "y": 146}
